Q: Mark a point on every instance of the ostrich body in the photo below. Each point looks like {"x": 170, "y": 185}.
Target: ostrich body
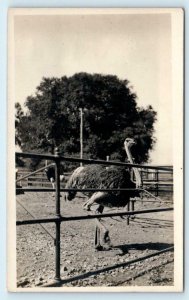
{"x": 101, "y": 177}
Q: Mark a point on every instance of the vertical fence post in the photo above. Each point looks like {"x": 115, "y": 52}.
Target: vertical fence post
{"x": 141, "y": 174}
{"x": 58, "y": 223}
{"x": 157, "y": 183}
{"x": 81, "y": 135}
{"x": 133, "y": 204}
{"x": 132, "y": 207}
{"x": 128, "y": 209}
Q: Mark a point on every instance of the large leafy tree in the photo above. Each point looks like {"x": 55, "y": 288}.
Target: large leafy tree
{"x": 110, "y": 115}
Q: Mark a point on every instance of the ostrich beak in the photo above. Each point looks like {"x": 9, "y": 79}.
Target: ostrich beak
{"x": 129, "y": 142}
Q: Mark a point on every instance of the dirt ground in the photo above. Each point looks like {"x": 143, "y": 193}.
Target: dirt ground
{"x": 144, "y": 235}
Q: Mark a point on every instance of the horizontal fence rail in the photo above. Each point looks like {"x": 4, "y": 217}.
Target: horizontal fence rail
{"x": 90, "y": 161}
{"x": 75, "y": 190}
{"x": 83, "y": 190}
{"x": 77, "y": 218}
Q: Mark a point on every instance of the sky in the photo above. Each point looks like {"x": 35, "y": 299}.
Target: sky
{"x": 136, "y": 47}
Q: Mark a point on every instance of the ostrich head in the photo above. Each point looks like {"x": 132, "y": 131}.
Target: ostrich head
{"x": 129, "y": 142}
{"x": 69, "y": 195}
{"x": 72, "y": 184}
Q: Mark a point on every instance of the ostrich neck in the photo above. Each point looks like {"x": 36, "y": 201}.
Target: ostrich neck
{"x": 135, "y": 170}
{"x": 129, "y": 154}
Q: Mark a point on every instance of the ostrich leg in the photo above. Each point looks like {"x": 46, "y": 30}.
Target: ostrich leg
{"x": 99, "y": 198}
{"x": 106, "y": 239}
{"x": 100, "y": 227}
{"x": 53, "y": 185}
{"x": 97, "y": 229}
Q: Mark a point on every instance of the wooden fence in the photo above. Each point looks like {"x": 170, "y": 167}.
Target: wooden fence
{"x": 157, "y": 180}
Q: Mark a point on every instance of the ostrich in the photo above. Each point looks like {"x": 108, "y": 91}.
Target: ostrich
{"x": 50, "y": 173}
{"x": 101, "y": 177}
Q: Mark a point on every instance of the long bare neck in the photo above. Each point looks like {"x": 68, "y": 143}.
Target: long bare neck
{"x": 128, "y": 152}
{"x": 135, "y": 170}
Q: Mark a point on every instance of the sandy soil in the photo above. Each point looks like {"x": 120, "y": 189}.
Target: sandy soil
{"x": 146, "y": 234}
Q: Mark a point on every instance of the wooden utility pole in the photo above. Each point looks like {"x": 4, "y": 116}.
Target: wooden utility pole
{"x": 81, "y": 134}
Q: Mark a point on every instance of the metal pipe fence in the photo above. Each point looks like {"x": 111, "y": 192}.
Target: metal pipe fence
{"x": 89, "y": 161}
{"x": 19, "y": 189}
{"x": 113, "y": 267}
{"x": 95, "y": 216}
{"x": 58, "y": 217}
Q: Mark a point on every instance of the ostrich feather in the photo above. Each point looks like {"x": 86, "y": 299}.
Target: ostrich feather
{"x": 97, "y": 176}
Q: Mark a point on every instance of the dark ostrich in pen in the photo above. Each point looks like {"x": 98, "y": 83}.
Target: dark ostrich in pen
{"x": 101, "y": 177}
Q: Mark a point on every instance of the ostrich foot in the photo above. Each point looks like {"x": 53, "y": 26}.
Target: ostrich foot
{"x": 103, "y": 248}
{"x": 106, "y": 239}
{"x": 107, "y": 247}
{"x": 98, "y": 248}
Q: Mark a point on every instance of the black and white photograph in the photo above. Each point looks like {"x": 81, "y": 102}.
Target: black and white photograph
{"x": 95, "y": 147}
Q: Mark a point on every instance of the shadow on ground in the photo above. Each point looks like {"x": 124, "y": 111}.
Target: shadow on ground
{"x": 159, "y": 247}
{"x": 144, "y": 246}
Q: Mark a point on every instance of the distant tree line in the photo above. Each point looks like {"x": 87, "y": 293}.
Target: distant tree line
{"x": 110, "y": 115}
